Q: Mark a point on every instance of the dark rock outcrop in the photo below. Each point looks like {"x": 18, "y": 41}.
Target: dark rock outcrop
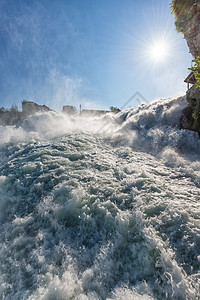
{"x": 187, "y": 13}
{"x": 186, "y": 119}
{"x": 191, "y": 29}
{"x": 190, "y": 118}
{"x": 10, "y": 117}
{"x": 30, "y": 108}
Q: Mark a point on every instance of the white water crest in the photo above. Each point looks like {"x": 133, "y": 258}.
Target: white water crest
{"x": 101, "y": 208}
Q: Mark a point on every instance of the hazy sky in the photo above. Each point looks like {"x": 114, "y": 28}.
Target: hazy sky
{"x": 94, "y": 52}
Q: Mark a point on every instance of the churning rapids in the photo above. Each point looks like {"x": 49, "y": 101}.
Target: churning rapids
{"x": 104, "y": 208}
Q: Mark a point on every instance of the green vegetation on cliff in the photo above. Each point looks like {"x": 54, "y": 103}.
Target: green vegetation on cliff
{"x": 196, "y": 70}
{"x": 186, "y": 19}
{"x": 187, "y": 14}
{"x": 182, "y": 10}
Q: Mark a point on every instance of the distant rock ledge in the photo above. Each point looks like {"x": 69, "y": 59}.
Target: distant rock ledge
{"x": 30, "y": 108}
{"x": 14, "y": 117}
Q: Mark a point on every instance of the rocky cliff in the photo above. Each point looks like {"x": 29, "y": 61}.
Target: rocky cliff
{"x": 191, "y": 27}
{"x": 187, "y": 21}
{"x": 187, "y": 14}
{"x": 30, "y": 108}
{"x": 14, "y": 117}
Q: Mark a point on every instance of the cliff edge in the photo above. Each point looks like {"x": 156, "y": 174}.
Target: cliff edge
{"x": 187, "y": 21}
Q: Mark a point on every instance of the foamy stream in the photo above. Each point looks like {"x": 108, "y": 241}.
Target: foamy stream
{"x": 104, "y": 208}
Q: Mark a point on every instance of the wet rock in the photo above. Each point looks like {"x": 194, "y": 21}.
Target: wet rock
{"x": 186, "y": 119}
{"x": 190, "y": 118}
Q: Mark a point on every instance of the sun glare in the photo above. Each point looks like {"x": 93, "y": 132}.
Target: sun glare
{"x": 158, "y": 51}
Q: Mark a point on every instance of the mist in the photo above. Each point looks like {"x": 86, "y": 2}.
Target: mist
{"x": 68, "y": 52}
{"x": 100, "y": 208}
{"x": 36, "y": 37}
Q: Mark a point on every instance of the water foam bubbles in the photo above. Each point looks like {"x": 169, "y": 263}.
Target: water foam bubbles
{"x": 87, "y": 214}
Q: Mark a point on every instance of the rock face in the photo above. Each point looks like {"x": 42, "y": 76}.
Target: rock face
{"x": 190, "y": 118}
{"x": 30, "y": 108}
{"x": 10, "y": 117}
{"x": 14, "y": 117}
{"x": 186, "y": 119}
{"x": 192, "y": 30}
{"x": 187, "y": 14}
{"x": 188, "y": 22}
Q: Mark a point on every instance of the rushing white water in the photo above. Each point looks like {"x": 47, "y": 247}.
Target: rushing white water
{"x": 104, "y": 208}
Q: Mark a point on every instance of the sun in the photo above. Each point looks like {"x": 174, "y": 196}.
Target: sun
{"x": 158, "y": 51}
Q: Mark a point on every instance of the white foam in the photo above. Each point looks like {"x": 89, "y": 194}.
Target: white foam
{"x": 89, "y": 212}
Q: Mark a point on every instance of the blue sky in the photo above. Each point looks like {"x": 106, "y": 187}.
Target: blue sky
{"x": 93, "y": 52}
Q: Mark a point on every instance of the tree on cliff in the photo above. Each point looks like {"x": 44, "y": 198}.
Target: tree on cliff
{"x": 196, "y": 71}
{"x": 14, "y": 108}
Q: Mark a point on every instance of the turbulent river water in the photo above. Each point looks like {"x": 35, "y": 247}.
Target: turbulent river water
{"x": 104, "y": 208}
